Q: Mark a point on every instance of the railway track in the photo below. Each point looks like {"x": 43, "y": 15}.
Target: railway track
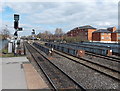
{"x": 57, "y": 78}
{"x": 112, "y": 73}
{"x": 110, "y": 58}
{"x": 102, "y": 61}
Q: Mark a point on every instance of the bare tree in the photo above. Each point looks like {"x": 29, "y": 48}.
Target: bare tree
{"x": 5, "y": 33}
{"x": 46, "y": 35}
{"x": 47, "y": 32}
{"x": 58, "y": 31}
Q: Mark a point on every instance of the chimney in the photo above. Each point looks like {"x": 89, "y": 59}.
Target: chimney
{"x": 112, "y": 29}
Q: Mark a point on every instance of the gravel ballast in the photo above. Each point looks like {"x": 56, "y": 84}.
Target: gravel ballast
{"x": 87, "y": 77}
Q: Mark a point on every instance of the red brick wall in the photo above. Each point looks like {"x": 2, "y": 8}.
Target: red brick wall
{"x": 114, "y": 37}
{"x": 106, "y": 36}
{"x": 101, "y": 36}
{"x": 85, "y": 33}
{"x": 118, "y": 37}
{"x": 96, "y": 36}
{"x": 90, "y": 31}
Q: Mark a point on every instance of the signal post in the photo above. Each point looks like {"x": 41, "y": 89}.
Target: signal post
{"x": 16, "y": 47}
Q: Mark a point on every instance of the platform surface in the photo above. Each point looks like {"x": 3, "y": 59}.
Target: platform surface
{"x": 18, "y": 73}
{"x": 33, "y": 79}
{"x": 13, "y": 76}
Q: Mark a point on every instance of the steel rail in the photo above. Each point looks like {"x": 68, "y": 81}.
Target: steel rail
{"x": 96, "y": 64}
{"x": 105, "y": 57}
{"x": 50, "y": 81}
{"x": 79, "y": 85}
{"x": 89, "y": 66}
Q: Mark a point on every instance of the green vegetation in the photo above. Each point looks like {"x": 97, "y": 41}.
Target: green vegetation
{"x": 5, "y": 50}
{"x": 4, "y": 53}
{"x": 8, "y": 55}
{"x": 0, "y": 37}
{"x": 74, "y": 39}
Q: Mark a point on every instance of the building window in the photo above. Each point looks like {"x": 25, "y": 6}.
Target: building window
{"x": 102, "y": 38}
{"x": 119, "y": 38}
{"x": 107, "y": 37}
{"x": 85, "y": 33}
{"x": 108, "y": 33}
{"x": 102, "y": 33}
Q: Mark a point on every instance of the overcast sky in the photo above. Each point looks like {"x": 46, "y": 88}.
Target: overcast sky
{"x": 43, "y": 16}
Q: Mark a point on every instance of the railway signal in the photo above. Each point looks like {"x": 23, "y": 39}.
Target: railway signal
{"x": 17, "y": 28}
{"x": 15, "y": 35}
{"x": 20, "y": 29}
{"x": 16, "y": 24}
{"x": 16, "y": 17}
{"x": 33, "y": 32}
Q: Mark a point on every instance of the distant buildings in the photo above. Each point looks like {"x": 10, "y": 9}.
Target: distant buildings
{"x": 90, "y": 33}
{"x": 101, "y": 35}
{"x": 115, "y": 36}
{"x": 84, "y": 31}
{"x": 106, "y": 35}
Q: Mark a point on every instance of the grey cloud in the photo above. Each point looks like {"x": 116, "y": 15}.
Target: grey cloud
{"x": 97, "y": 13}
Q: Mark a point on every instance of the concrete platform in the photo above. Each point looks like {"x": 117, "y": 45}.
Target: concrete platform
{"x": 18, "y": 73}
{"x": 13, "y": 74}
{"x": 34, "y": 80}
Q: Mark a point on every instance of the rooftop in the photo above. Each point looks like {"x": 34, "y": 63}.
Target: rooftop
{"x": 110, "y": 27}
{"x": 86, "y": 27}
{"x": 117, "y": 31}
{"x": 102, "y": 31}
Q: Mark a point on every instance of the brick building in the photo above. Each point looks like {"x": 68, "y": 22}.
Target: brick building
{"x": 102, "y": 35}
{"x": 84, "y": 31}
{"x": 106, "y": 35}
{"x": 115, "y": 36}
{"x": 90, "y": 33}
